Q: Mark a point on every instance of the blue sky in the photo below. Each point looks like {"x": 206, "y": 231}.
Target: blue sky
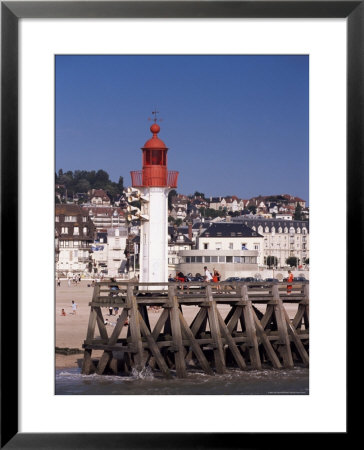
{"x": 234, "y": 124}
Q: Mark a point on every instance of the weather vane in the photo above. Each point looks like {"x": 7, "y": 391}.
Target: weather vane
{"x": 155, "y": 118}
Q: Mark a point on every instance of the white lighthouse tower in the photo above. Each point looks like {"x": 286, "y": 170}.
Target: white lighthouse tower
{"x": 151, "y": 185}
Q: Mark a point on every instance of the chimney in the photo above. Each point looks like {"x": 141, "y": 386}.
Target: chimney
{"x": 190, "y": 231}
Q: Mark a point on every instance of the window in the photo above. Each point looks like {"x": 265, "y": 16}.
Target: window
{"x": 70, "y": 219}
{"x": 221, "y": 259}
{"x": 57, "y": 218}
{"x": 64, "y": 230}
{"x": 218, "y": 245}
{"x": 188, "y": 259}
{"x": 199, "y": 259}
{"x": 205, "y": 246}
{"x": 75, "y": 243}
{"x": 157, "y": 157}
{"x": 256, "y": 246}
{"x": 84, "y": 219}
{"x": 213, "y": 259}
{"x": 231, "y": 245}
{"x": 76, "y": 231}
{"x": 229, "y": 259}
{"x": 237, "y": 259}
{"x": 207, "y": 259}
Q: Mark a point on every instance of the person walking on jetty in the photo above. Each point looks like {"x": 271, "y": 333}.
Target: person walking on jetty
{"x": 289, "y": 280}
{"x": 74, "y": 307}
{"x": 216, "y": 278}
{"x": 208, "y": 276}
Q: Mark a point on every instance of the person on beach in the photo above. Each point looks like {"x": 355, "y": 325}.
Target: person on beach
{"x": 74, "y": 307}
{"x": 58, "y": 282}
{"x": 208, "y": 276}
{"x": 289, "y": 280}
{"x": 63, "y": 312}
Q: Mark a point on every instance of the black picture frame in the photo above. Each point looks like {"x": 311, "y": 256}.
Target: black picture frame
{"x": 11, "y": 12}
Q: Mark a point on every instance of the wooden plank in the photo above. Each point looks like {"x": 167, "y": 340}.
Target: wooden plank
{"x": 250, "y": 330}
{"x": 105, "y": 358}
{"x": 296, "y": 339}
{"x": 266, "y": 343}
{"x": 87, "y": 364}
{"x": 179, "y": 353}
{"x": 231, "y": 343}
{"x": 198, "y": 321}
{"x": 267, "y": 316}
{"x": 284, "y": 340}
{"x": 159, "y": 325}
{"x": 134, "y": 328}
{"x": 215, "y": 333}
{"x": 153, "y": 347}
{"x": 195, "y": 346}
{"x": 91, "y": 326}
{"x": 118, "y": 327}
{"x": 297, "y": 321}
{"x": 101, "y": 323}
{"x": 234, "y": 318}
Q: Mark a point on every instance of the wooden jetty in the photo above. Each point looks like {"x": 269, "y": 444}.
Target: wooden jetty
{"x": 245, "y": 338}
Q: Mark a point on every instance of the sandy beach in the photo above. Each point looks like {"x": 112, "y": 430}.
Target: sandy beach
{"x": 71, "y": 329}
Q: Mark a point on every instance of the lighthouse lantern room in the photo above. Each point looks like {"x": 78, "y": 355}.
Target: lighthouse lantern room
{"x": 151, "y": 186}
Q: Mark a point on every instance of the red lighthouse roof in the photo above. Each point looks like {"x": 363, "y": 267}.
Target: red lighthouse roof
{"x": 155, "y": 142}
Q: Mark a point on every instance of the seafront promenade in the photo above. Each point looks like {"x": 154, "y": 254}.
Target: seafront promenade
{"x": 71, "y": 328}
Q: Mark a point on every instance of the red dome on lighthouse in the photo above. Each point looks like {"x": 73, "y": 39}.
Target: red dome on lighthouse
{"x": 155, "y": 142}
{"x": 154, "y": 172}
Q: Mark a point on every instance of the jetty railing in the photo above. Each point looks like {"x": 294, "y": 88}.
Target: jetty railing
{"x": 255, "y": 333}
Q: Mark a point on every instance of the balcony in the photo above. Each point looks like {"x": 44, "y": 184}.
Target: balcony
{"x": 162, "y": 179}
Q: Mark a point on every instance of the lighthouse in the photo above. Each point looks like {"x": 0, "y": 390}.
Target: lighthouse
{"x": 151, "y": 186}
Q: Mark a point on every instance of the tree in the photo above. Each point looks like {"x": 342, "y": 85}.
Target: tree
{"x": 101, "y": 179}
{"x": 298, "y": 212}
{"x": 83, "y": 185}
{"x": 199, "y": 194}
{"x": 121, "y": 185}
{"x": 271, "y": 261}
{"x": 171, "y": 194}
{"x": 292, "y": 261}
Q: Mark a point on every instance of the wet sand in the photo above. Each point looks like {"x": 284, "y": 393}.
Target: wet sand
{"x": 71, "y": 329}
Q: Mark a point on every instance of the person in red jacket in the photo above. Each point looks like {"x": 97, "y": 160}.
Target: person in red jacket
{"x": 289, "y": 280}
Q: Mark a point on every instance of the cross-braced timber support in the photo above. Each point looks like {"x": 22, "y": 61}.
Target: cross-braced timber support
{"x": 243, "y": 325}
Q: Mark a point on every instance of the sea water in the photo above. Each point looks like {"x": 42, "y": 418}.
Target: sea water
{"x": 233, "y": 382}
